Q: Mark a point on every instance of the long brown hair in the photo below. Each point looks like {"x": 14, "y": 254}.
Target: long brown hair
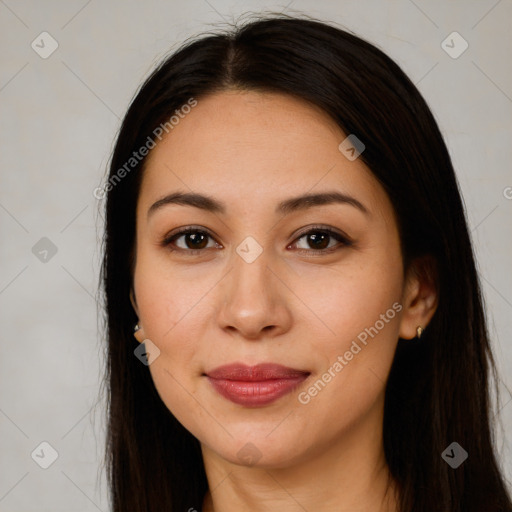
{"x": 438, "y": 389}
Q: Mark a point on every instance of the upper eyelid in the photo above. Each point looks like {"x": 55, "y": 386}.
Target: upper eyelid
{"x": 302, "y": 232}
{"x": 319, "y": 227}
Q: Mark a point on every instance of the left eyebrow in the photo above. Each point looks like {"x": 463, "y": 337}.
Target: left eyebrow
{"x": 310, "y": 200}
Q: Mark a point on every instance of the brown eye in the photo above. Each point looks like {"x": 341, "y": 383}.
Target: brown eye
{"x": 190, "y": 240}
{"x": 320, "y": 241}
{"x": 197, "y": 240}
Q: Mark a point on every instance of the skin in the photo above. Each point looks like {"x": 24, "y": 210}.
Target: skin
{"x": 292, "y": 306}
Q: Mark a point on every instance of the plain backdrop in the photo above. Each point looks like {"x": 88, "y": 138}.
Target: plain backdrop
{"x": 60, "y": 115}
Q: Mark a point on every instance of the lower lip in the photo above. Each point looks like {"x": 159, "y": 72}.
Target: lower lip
{"x": 255, "y": 393}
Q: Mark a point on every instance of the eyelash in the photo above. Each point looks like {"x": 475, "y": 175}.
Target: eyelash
{"x": 343, "y": 241}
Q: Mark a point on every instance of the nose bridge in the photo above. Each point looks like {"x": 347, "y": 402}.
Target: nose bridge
{"x": 251, "y": 286}
{"x": 253, "y": 301}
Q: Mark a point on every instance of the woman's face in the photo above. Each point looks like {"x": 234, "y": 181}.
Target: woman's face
{"x": 267, "y": 277}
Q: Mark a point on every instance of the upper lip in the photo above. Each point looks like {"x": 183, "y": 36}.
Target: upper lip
{"x": 259, "y": 372}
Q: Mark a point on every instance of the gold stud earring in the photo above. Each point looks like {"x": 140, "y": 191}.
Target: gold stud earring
{"x": 419, "y": 331}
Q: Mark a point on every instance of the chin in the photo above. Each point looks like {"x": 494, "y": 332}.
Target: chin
{"x": 262, "y": 450}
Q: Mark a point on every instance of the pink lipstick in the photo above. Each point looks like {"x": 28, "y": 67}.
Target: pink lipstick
{"x": 254, "y": 386}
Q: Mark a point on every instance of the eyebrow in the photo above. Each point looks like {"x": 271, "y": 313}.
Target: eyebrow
{"x": 293, "y": 204}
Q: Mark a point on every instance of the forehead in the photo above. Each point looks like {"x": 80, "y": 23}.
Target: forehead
{"x": 249, "y": 147}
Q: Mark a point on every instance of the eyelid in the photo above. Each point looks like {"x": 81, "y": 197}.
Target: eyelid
{"x": 324, "y": 228}
{"x": 187, "y": 229}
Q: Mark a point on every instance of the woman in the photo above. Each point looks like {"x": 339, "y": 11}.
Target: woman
{"x": 295, "y": 321}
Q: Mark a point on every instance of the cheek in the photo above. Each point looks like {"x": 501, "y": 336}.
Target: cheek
{"x": 357, "y": 312}
{"x": 172, "y": 312}
{"x": 350, "y": 298}
{"x": 171, "y": 309}
{"x": 168, "y": 298}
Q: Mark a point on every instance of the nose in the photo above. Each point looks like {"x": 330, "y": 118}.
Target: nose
{"x": 254, "y": 302}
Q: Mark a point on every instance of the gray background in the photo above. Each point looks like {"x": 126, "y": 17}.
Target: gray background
{"x": 59, "y": 119}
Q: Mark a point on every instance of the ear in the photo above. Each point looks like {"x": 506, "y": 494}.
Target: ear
{"x": 420, "y": 296}
{"x": 134, "y": 302}
{"x": 139, "y": 333}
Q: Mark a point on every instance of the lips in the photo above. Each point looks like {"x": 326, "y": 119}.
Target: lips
{"x": 254, "y": 386}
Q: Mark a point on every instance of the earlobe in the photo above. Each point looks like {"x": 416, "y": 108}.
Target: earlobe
{"x": 138, "y": 332}
{"x": 419, "y": 299}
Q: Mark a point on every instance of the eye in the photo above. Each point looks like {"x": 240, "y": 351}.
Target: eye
{"x": 191, "y": 240}
{"x": 316, "y": 241}
{"x": 320, "y": 240}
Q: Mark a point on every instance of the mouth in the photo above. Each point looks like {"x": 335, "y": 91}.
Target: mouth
{"x": 253, "y": 386}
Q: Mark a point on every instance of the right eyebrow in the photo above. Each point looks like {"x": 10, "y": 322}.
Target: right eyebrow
{"x": 189, "y": 199}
